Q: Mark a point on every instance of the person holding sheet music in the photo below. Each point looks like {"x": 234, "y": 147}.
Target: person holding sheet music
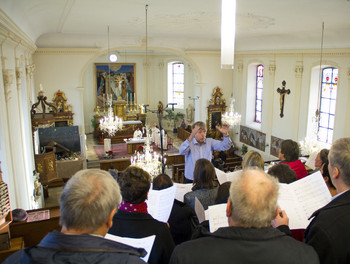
{"x": 203, "y": 185}
{"x": 180, "y": 220}
{"x": 327, "y": 178}
{"x": 321, "y": 158}
{"x": 289, "y": 154}
{"x": 132, "y": 219}
{"x": 249, "y": 238}
{"x": 329, "y": 231}
{"x": 197, "y": 146}
{"x": 87, "y": 204}
{"x": 283, "y": 173}
{"x": 252, "y": 159}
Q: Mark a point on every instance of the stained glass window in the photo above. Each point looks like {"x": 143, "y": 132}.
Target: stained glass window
{"x": 259, "y": 92}
{"x": 176, "y": 83}
{"x": 328, "y": 101}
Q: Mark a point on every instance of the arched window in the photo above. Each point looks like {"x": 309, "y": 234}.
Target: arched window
{"x": 176, "y": 83}
{"x": 259, "y": 92}
{"x": 328, "y": 101}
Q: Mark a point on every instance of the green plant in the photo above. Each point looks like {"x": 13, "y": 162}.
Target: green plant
{"x": 244, "y": 149}
{"x": 94, "y": 123}
{"x": 176, "y": 117}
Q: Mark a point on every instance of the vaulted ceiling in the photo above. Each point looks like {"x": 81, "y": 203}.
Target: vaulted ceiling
{"x": 181, "y": 24}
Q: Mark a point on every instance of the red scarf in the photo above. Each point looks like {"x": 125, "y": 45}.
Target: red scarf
{"x": 133, "y": 208}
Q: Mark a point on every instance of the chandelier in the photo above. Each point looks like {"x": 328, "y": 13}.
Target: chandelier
{"x": 148, "y": 161}
{"x": 231, "y": 117}
{"x": 110, "y": 124}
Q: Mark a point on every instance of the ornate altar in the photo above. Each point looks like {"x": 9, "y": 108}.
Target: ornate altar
{"x": 41, "y": 118}
{"x": 130, "y": 113}
{"x": 126, "y": 132}
{"x": 64, "y": 115}
{"x": 55, "y": 114}
{"x": 216, "y": 108}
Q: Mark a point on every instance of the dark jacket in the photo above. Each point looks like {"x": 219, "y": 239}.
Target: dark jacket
{"x": 244, "y": 245}
{"x": 180, "y": 222}
{"x": 329, "y": 231}
{"x": 60, "y": 248}
{"x": 137, "y": 225}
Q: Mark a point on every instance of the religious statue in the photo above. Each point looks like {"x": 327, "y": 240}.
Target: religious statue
{"x": 282, "y": 93}
{"x": 189, "y": 114}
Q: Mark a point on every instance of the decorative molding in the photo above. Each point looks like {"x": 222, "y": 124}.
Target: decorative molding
{"x": 10, "y": 30}
{"x": 239, "y": 67}
{"x": 272, "y": 68}
{"x": 19, "y": 75}
{"x": 161, "y": 65}
{"x": 146, "y": 65}
{"x": 29, "y": 71}
{"x": 299, "y": 68}
{"x": 8, "y": 77}
{"x": 349, "y": 74}
{"x": 67, "y": 51}
{"x": 302, "y": 53}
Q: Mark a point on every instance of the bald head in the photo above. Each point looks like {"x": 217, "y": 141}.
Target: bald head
{"x": 253, "y": 195}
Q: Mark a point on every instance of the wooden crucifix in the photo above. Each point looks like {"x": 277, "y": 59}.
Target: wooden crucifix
{"x": 282, "y": 93}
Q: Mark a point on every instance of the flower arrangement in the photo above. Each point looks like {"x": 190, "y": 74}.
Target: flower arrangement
{"x": 109, "y": 154}
{"x": 140, "y": 149}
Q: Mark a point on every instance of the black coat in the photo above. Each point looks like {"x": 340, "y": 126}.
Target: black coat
{"x": 329, "y": 231}
{"x": 138, "y": 225}
{"x": 180, "y": 221}
{"x": 244, "y": 245}
{"x": 59, "y": 248}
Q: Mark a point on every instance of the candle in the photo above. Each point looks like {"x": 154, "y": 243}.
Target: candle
{"x": 41, "y": 87}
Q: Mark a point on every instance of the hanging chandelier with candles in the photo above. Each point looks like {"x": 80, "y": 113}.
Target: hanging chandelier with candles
{"x": 148, "y": 161}
{"x": 232, "y": 118}
{"x": 110, "y": 124}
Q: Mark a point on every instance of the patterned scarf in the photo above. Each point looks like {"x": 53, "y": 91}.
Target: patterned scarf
{"x": 133, "y": 208}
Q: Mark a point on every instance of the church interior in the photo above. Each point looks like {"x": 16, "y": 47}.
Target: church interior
{"x": 57, "y": 82}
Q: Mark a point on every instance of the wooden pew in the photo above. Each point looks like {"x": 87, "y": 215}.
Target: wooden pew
{"x": 34, "y": 232}
{"x": 122, "y": 164}
{"x": 179, "y": 173}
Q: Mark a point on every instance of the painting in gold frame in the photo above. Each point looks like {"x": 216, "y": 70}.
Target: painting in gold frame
{"x": 117, "y": 79}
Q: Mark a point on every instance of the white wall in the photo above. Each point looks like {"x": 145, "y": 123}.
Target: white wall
{"x": 72, "y": 71}
{"x": 75, "y": 68}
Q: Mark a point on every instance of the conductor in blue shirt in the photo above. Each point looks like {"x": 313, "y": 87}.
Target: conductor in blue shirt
{"x": 197, "y": 146}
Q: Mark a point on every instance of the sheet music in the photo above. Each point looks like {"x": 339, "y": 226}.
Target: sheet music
{"x": 221, "y": 176}
{"x": 225, "y": 177}
{"x": 160, "y": 203}
{"x": 181, "y": 190}
{"x": 145, "y": 243}
{"x": 199, "y": 209}
{"x": 303, "y": 197}
{"x": 231, "y": 175}
{"x": 311, "y": 160}
{"x": 217, "y": 217}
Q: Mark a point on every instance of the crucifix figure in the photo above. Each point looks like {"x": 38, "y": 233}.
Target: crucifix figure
{"x": 282, "y": 92}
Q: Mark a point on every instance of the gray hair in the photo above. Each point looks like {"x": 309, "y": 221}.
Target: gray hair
{"x": 88, "y": 199}
{"x": 200, "y": 124}
{"x": 253, "y": 195}
{"x": 339, "y": 157}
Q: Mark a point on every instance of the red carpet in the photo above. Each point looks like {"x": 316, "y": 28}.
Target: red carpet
{"x": 120, "y": 151}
